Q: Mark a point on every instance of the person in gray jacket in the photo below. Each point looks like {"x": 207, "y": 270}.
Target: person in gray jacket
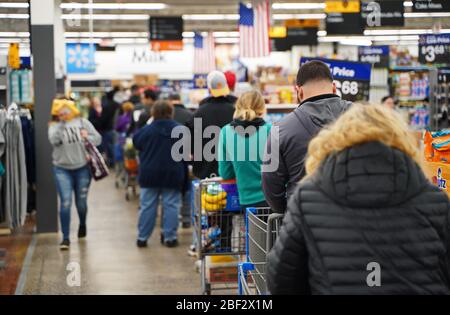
{"x": 283, "y": 166}
{"x": 67, "y": 134}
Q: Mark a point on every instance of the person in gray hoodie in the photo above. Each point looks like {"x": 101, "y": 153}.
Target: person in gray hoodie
{"x": 283, "y": 165}
{"x": 67, "y": 135}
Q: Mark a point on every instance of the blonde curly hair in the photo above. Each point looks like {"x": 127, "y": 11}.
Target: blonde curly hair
{"x": 362, "y": 124}
{"x": 249, "y": 106}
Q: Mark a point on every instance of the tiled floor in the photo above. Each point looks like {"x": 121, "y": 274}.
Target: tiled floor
{"x": 109, "y": 261}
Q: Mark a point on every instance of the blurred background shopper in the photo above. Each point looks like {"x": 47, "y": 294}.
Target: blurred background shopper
{"x": 388, "y": 101}
{"x": 67, "y": 133}
{"x": 215, "y": 111}
{"x": 143, "y": 113}
{"x": 319, "y": 106}
{"x": 159, "y": 176}
{"x": 365, "y": 220}
{"x": 182, "y": 115}
{"x": 245, "y": 137}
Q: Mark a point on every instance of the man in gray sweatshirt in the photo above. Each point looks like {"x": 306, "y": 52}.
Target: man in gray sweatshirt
{"x": 319, "y": 106}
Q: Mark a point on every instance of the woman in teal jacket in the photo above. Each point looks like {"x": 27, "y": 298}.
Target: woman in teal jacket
{"x": 241, "y": 148}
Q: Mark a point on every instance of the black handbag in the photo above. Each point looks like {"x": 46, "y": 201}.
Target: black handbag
{"x": 97, "y": 164}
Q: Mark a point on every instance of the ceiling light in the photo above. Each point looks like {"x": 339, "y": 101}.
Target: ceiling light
{"x": 14, "y": 34}
{"x": 114, "y": 6}
{"x": 105, "y": 16}
{"x": 402, "y": 32}
{"x": 227, "y": 40}
{"x": 311, "y": 16}
{"x": 298, "y": 6}
{"x": 210, "y": 17}
{"x": 14, "y": 5}
{"x": 14, "y": 16}
{"x": 426, "y": 14}
{"x": 408, "y": 4}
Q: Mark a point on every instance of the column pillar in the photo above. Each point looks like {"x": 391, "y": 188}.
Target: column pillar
{"x": 42, "y": 18}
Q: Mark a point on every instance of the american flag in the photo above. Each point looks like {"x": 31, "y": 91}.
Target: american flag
{"x": 254, "y": 29}
{"x": 204, "y": 53}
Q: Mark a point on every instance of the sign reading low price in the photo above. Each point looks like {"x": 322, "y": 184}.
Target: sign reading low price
{"x": 434, "y": 49}
{"x": 352, "y": 79}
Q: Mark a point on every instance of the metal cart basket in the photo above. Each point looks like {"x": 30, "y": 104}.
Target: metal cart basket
{"x": 262, "y": 229}
{"x": 219, "y": 224}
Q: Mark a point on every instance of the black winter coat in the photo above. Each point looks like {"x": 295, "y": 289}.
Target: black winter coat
{"x": 369, "y": 203}
{"x": 214, "y": 112}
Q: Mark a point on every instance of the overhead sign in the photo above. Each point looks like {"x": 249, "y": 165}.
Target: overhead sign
{"x": 383, "y": 13}
{"x": 431, "y": 6}
{"x": 344, "y": 24}
{"x": 376, "y": 55}
{"x": 434, "y": 49}
{"x": 339, "y": 6}
{"x": 295, "y": 37}
{"x": 352, "y": 79}
{"x": 141, "y": 59}
{"x": 200, "y": 81}
{"x": 166, "y": 33}
{"x": 13, "y": 56}
{"x": 277, "y": 32}
{"x": 80, "y": 58}
{"x": 302, "y": 23}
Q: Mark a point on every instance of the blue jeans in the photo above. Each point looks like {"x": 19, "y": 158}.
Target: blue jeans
{"x": 69, "y": 182}
{"x": 171, "y": 202}
{"x": 186, "y": 216}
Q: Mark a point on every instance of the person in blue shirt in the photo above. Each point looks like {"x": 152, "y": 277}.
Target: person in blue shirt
{"x": 241, "y": 148}
{"x": 159, "y": 176}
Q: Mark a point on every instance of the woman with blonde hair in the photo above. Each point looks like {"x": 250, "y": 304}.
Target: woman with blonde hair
{"x": 365, "y": 220}
{"x": 67, "y": 134}
{"x": 241, "y": 148}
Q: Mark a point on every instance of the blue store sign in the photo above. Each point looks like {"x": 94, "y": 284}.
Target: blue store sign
{"x": 352, "y": 79}
{"x": 80, "y": 58}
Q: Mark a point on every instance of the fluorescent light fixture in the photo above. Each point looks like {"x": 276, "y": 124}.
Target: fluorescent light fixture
{"x": 106, "y": 34}
{"x": 403, "y": 32}
{"x": 298, "y": 6}
{"x": 306, "y": 16}
{"x": 105, "y": 17}
{"x": 322, "y": 33}
{"x": 408, "y": 4}
{"x": 225, "y": 34}
{"x": 210, "y": 17}
{"x": 426, "y": 14}
{"x": 14, "y": 16}
{"x": 227, "y": 40}
{"x": 15, "y": 34}
{"x": 361, "y": 40}
{"x": 115, "y": 6}
{"x": 14, "y": 5}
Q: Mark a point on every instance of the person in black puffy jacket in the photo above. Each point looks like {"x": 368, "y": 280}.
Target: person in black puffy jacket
{"x": 365, "y": 220}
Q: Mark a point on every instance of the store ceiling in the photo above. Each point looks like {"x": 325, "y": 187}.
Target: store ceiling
{"x": 195, "y": 13}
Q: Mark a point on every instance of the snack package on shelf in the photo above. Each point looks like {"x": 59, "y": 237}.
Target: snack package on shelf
{"x": 437, "y": 146}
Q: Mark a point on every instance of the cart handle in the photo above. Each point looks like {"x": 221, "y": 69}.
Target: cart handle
{"x": 270, "y": 223}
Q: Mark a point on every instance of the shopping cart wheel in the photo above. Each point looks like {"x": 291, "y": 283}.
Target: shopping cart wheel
{"x": 207, "y": 289}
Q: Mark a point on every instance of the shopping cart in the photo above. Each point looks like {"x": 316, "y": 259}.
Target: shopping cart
{"x": 262, "y": 229}
{"x": 131, "y": 165}
{"x": 219, "y": 225}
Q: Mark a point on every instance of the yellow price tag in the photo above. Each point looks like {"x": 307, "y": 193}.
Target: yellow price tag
{"x": 13, "y": 56}
{"x": 277, "y": 32}
{"x": 335, "y": 6}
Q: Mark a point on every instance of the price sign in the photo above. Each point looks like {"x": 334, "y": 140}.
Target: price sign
{"x": 376, "y": 55}
{"x": 434, "y": 49}
{"x": 352, "y": 79}
{"x": 13, "y": 56}
{"x": 426, "y": 6}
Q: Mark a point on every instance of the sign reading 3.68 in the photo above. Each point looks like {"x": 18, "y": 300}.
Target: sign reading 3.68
{"x": 431, "y": 53}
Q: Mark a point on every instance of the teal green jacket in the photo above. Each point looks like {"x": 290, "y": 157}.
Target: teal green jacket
{"x": 240, "y": 158}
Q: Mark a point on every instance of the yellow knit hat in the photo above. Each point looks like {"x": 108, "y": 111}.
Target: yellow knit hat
{"x": 58, "y": 105}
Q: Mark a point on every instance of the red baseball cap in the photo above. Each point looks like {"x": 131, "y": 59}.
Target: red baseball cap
{"x": 231, "y": 79}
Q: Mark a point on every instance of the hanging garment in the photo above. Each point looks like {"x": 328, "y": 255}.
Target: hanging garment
{"x": 30, "y": 160}
{"x": 2, "y": 178}
{"x": 16, "y": 177}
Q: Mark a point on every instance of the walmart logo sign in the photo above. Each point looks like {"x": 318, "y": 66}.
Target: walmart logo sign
{"x": 80, "y": 58}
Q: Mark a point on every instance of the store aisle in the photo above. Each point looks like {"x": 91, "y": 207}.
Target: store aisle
{"x": 110, "y": 262}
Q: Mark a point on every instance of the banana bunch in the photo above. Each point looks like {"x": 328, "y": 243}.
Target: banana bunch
{"x": 214, "y": 202}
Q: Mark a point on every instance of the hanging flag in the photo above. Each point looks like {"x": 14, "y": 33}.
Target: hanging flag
{"x": 204, "y": 53}
{"x": 254, "y": 29}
